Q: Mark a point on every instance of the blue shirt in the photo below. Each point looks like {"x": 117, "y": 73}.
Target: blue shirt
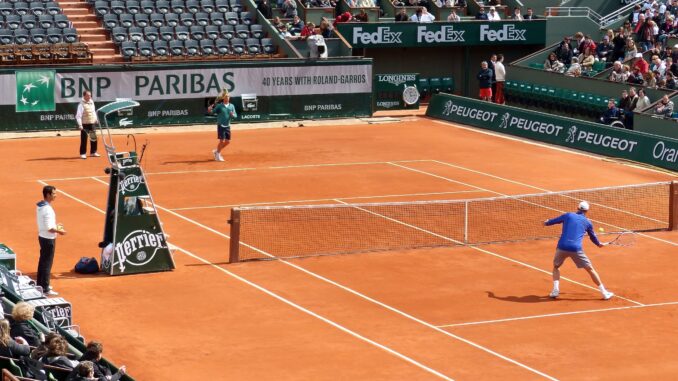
{"x": 574, "y": 227}
{"x": 224, "y": 113}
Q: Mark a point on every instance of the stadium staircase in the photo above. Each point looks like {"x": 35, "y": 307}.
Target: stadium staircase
{"x": 90, "y": 32}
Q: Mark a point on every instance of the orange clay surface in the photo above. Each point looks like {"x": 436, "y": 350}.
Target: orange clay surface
{"x": 452, "y": 313}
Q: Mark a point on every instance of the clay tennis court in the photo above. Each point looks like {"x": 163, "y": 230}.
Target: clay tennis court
{"x": 462, "y": 313}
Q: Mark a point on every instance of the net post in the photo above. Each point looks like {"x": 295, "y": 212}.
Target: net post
{"x": 234, "y": 250}
{"x": 673, "y": 205}
{"x": 466, "y": 222}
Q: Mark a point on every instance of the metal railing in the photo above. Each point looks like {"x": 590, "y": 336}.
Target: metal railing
{"x": 603, "y": 21}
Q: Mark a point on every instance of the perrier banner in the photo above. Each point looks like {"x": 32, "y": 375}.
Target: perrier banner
{"x": 35, "y": 90}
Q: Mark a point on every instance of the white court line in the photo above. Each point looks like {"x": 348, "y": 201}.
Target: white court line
{"x": 542, "y": 206}
{"x": 321, "y": 165}
{"x": 558, "y": 314}
{"x": 363, "y": 296}
{"x": 572, "y": 151}
{"x": 284, "y": 300}
{"x": 323, "y": 199}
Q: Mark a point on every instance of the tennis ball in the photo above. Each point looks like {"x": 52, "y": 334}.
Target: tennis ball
{"x": 601, "y": 230}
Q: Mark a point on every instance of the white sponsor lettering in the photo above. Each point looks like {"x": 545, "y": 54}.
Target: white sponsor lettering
{"x": 388, "y": 104}
{"x": 535, "y": 126}
{"x": 606, "y": 141}
{"x": 330, "y": 107}
{"x": 135, "y": 246}
{"x": 383, "y": 35}
{"x": 250, "y": 116}
{"x": 396, "y": 79}
{"x": 445, "y": 33}
{"x": 507, "y": 33}
{"x": 131, "y": 183}
{"x": 664, "y": 153}
{"x": 468, "y": 112}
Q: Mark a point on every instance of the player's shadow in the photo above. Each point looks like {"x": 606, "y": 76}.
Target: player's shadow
{"x": 522, "y": 299}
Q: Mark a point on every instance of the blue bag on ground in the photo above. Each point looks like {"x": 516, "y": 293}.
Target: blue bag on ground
{"x": 87, "y": 265}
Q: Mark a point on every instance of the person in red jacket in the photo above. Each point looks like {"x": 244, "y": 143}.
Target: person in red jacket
{"x": 641, "y": 64}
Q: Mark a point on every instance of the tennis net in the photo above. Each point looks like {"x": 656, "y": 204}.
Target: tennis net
{"x": 270, "y": 232}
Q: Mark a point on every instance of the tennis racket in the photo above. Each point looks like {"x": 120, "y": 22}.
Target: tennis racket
{"x": 92, "y": 134}
{"x": 624, "y": 239}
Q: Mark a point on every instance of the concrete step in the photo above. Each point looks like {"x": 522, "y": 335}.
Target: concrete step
{"x": 86, "y": 24}
{"x": 81, "y": 18}
{"x": 89, "y": 38}
{"x": 89, "y": 30}
{"x": 100, "y": 44}
{"x": 70, "y": 12}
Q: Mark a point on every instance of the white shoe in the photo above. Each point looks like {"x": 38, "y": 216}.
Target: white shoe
{"x": 554, "y": 294}
{"x": 94, "y": 154}
{"x": 607, "y": 295}
{"x": 214, "y": 154}
{"x": 83, "y": 156}
{"x": 219, "y": 157}
{"x": 50, "y": 293}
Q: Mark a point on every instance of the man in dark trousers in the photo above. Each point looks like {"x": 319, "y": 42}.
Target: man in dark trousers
{"x": 48, "y": 230}
{"x": 86, "y": 117}
{"x": 485, "y": 82}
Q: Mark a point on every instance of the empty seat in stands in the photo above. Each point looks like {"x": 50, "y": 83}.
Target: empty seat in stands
{"x": 145, "y": 49}
{"x": 235, "y": 5}
{"x": 242, "y": 31}
{"x": 21, "y": 8}
{"x": 147, "y": 6}
{"x": 110, "y": 21}
{"x": 61, "y": 21}
{"x": 141, "y": 20}
{"x": 38, "y": 35}
{"x": 182, "y": 32}
{"x": 178, "y": 6}
{"x": 6, "y": 9}
{"x": 231, "y": 18}
{"x": 257, "y": 30}
{"x": 207, "y": 6}
{"x": 126, "y": 20}
{"x": 238, "y": 46}
{"x": 21, "y": 36}
{"x": 247, "y": 18}
{"x": 119, "y": 35}
{"x": 253, "y": 46}
{"x": 177, "y": 48}
{"x": 54, "y": 36}
{"x": 222, "y": 6}
{"x": 157, "y": 20}
{"x": 161, "y": 48}
{"x": 136, "y": 34}
{"x": 217, "y": 18}
{"x": 223, "y": 46}
{"x": 162, "y": 6}
{"x": 227, "y": 31}
{"x": 193, "y": 6}
{"x": 207, "y": 48}
{"x": 46, "y": 21}
{"x": 37, "y": 8}
{"x": 128, "y": 49}
{"x": 6, "y": 36}
{"x": 187, "y": 19}
{"x": 133, "y": 7}
{"x": 197, "y": 32}
{"x": 29, "y": 21}
{"x": 171, "y": 19}
{"x": 13, "y": 21}
{"x": 202, "y": 18}
{"x": 267, "y": 46}
{"x": 151, "y": 33}
{"x": 212, "y": 32}
{"x": 166, "y": 33}
{"x": 117, "y": 7}
{"x": 192, "y": 48}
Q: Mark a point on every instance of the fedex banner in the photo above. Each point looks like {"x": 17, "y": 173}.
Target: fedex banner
{"x": 410, "y": 34}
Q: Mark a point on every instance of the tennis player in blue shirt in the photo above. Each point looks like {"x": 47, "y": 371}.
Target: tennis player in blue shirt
{"x": 575, "y": 225}
{"x": 225, "y": 112}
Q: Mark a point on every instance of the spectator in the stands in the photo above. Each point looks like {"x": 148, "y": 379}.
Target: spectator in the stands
{"x": 649, "y": 80}
{"x": 344, "y": 17}
{"x": 422, "y": 16}
{"x": 361, "y": 16}
{"x": 552, "y": 64}
{"x": 643, "y": 101}
{"x": 575, "y": 69}
{"x": 628, "y": 109}
{"x": 284, "y": 33}
{"x": 448, "y": 3}
{"x": 624, "y": 101}
{"x": 289, "y": 8}
{"x": 587, "y": 59}
{"x": 645, "y": 33}
{"x": 605, "y": 49}
{"x": 664, "y": 107}
{"x": 402, "y": 15}
{"x": 12, "y": 347}
{"x": 493, "y": 15}
{"x": 517, "y": 15}
{"x": 265, "y": 8}
{"x": 671, "y": 66}
{"x": 617, "y": 73}
{"x": 530, "y": 15}
{"x": 325, "y": 28}
{"x": 365, "y": 4}
{"x": 611, "y": 114}
{"x": 484, "y": 77}
{"x": 565, "y": 54}
{"x": 453, "y": 17}
{"x": 277, "y": 24}
{"x": 666, "y": 29}
{"x": 307, "y": 30}
{"x": 460, "y": 3}
{"x": 636, "y": 77}
{"x": 57, "y": 354}
{"x": 630, "y": 51}
{"x": 610, "y": 35}
{"x": 635, "y": 14}
{"x": 20, "y": 327}
{"x": 587, "y": 42}
{"x": 296, "y": 26}
{"x": 481, "y": 15}
{"x": 641, "y": 64}
{"x": 83, "y": 372}
{"x": 578, "y": 41}
{"x": 619, "y": 42}
{"x": 94, "y": 353}
{"x": 500, "y": 79}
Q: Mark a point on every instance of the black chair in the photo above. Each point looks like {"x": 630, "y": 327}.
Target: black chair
{"x": 238, "y": 46}
{"x": 235, "y": 6}
{"x": 223, "y": 47}
{"x": 178, "y": 6}
{"x": 197, "y": 32}
{"x": 247, "y": 18}
{"x": 207, "y": 6}
{"x": 119, "y": 34}
{"x": 268, "y": 47}
{"x": 118, "y": 7}
{"x": 187, "y": 19}
{"x": 128, "y": 49}
{"x": 166, "y": 33}
{"x": 257, "y": 30}
{"x": 54, "y": 35}
{"x": 193, "y": 6}
{"x": 207, "y": 48}
{"x": 135, "y": 34}
{"x": 162, "y": 6}
{"x": 217, "y": 18}
{"x": 111, "y": 21}
{"x": 37, "y": 8}
{"x": 253, "y": 46}
{"x": 202, "y": 18}
{"x": 151, "y": 33}
{"x": 133, "y": 7}
{"x": 227, "y": 31}
{"x": 231, "y": 18}
{"x": 13, "y": 21}
{"x": 161, "y": 49}
{"x": 6, "y": 9}
{"x": 21, "y": 8}
{"x": 126, "y": 20}
{"x": 21, "y": 36}
{"x": 147, "y": 6}
{"x": 70, "y": 35}
{"x": 242, "y": 31}
{"x": 38, "y": 35}
{"x": 222, "y": 6}
{"x": 61, "y": 21}
{"x": 192, "y": 48}
{"x": 46, "y": 21}
{"x": 29, "y": 21}
{"x": 145, "y": 49}
{"x": 177, "y": 48}
{"x": 212, "y": 32}
{"x": 7, "y": 36}
{"x": 182, "y": 32}
{"x": 141, "y": 20}
{"x": 171, "y": 19}
{"x": 53, "y": 8}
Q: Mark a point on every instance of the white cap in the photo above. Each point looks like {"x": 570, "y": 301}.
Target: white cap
{"x": 583, "y": 205}
{"x": 639, "y": 55}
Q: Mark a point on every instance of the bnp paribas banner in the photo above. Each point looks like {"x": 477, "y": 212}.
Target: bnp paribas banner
{"x": 408, "y": 34}
{"x": 572, "y": 133}
{"x": 179, "y": 94}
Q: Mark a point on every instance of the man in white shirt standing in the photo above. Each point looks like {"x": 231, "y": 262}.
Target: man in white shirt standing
{"x": 500, "y": 78}
{"x": 86, "y": 117}
{"x": 48, "y": 230}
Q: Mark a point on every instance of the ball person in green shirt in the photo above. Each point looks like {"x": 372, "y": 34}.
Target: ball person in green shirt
{"x": 224, "y": 112}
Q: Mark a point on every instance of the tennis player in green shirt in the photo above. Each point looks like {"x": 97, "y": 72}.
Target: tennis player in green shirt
{"x": 224, "y": 112}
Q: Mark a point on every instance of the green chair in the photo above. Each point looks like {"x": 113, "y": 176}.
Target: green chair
{"x": 598, "y": 66}
{"x": 9, "y": 364}
{"x": 424, "y": 87}
{"x": 436, "y": 85}
{"x": 448, "y": 85}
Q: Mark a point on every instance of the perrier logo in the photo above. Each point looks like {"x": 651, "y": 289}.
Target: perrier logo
{"x": 35, "y": 90}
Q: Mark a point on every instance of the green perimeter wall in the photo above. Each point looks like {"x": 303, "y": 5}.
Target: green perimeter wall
{"x": 179, "y": 94}
{"x": 570, "y": 133}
